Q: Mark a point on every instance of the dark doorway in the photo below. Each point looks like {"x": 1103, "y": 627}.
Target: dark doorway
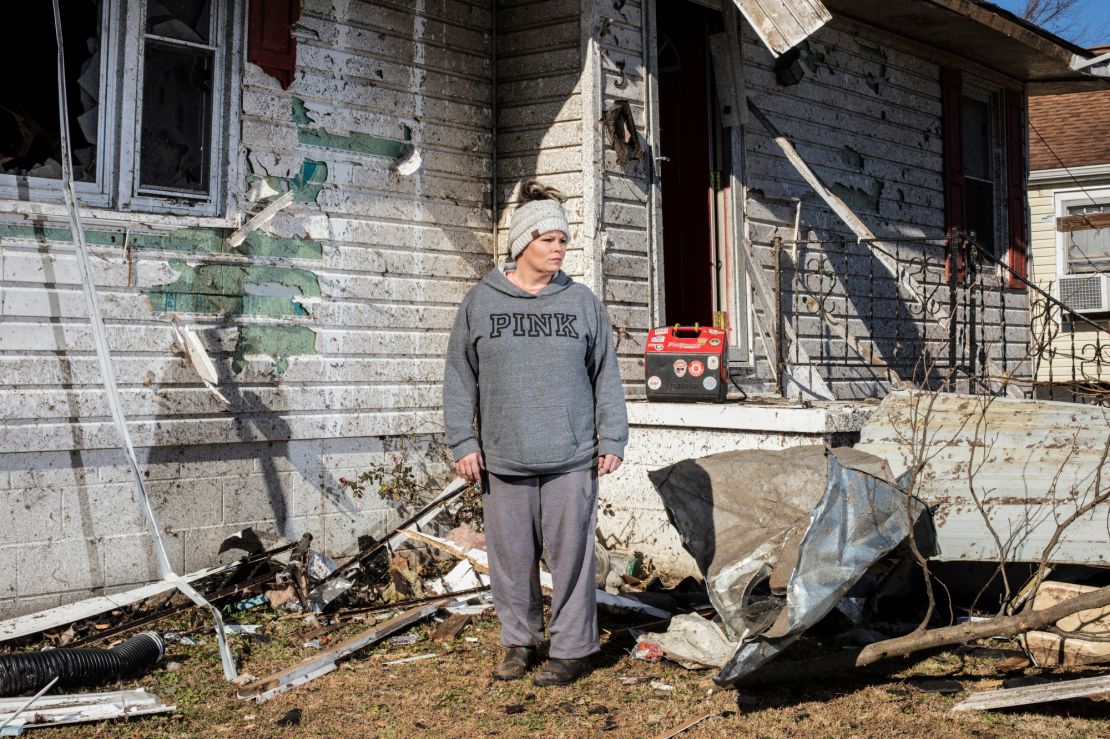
{"x": 692, "y": 168}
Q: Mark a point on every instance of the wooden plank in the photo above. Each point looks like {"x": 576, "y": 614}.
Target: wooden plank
{"x": 783, "y": 24}
{"x": 1087, "y": 687}
{"x": 450, "y": 629}
{"x": 1083, "y": 223}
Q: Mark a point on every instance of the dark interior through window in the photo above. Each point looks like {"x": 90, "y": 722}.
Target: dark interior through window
{"x": 30, "y": 138}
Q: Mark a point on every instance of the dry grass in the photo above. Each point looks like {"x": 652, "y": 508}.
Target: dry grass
{"x": 452, "y": 695}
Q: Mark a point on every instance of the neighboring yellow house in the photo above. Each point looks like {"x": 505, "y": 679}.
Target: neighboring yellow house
{"x": 1069, "y": 204}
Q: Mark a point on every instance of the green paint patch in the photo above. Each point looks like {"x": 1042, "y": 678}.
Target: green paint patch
{"x": 859, "y": 199}
{"x": 278, "y": 342}
{"x": 42, "y": 235}
{"x": 228, "y": 289}
{"x": 852, "y": 158}
{"x": 356, "y": 142}
{"x": 197, "y": 240}
{"x": 306, "y": 185}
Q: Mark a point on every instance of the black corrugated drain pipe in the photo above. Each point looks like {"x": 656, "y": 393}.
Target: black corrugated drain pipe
{"x": 26, "y": 672}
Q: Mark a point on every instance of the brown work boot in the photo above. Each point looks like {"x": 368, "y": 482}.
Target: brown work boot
{"x": 561, "y": 671}
{"x": 516, "y": 663}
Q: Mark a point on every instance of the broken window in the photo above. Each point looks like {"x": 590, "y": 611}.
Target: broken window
{"x": 176, "y": 114}
{"x": 30, "y": 129}
{"x": 147, "y": 130}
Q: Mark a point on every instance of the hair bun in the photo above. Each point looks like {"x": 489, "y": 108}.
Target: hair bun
{"x": 535, "y": 190}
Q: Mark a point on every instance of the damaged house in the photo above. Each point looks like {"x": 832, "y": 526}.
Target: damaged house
{"x": 286, "y": 201}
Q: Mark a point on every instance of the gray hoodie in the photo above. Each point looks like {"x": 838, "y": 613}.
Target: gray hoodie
{"x": 538, "y": 372}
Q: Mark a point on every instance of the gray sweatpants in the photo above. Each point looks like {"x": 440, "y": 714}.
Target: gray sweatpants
{"x": 522, "y": 514}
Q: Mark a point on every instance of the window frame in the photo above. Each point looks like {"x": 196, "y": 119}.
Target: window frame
{"x": 1062, "y": 200}
{"x": 1009, "y": 160}
{"x": 996, "y": 158}
{"x": 123, "y": 42}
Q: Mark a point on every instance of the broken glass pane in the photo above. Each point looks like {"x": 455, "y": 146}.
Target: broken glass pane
{"x": 185, "y": 20}
{"x": 177, "y": 104}
{"x": 30, "y": 130}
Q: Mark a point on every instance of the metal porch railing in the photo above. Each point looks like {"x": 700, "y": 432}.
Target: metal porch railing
{"x": 942, "y": 314}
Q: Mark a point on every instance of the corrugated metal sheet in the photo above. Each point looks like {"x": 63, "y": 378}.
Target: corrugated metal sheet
{"x": 1021, "y": 465}
{"x": 783, "y": 24}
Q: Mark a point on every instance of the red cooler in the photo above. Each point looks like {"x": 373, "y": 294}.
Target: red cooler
{"x": 686, "y": 364}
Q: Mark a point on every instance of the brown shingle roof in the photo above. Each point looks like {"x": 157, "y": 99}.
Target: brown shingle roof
{"x": 1075, "y": 126}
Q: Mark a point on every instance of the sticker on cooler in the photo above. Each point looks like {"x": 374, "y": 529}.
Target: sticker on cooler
{"x": 697, "y": 369}
{"x": 709, "y": 383}
{"x": 714, "y": 342}
{"x": 713, "y": 362}
{"x": 654, "y": 382}
{"x": 680, "y": 368}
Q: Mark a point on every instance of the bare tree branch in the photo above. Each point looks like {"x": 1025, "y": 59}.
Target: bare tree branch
{"x": 918, "y": 641}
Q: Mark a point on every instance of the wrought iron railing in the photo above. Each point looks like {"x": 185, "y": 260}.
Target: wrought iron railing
{"x": 942, "y": 314}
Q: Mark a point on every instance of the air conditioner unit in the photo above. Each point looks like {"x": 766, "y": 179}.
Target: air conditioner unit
{"x": 1085, "y": 293}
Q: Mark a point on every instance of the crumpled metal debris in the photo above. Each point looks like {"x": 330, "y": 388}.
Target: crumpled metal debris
{"x": 783, "y": 536}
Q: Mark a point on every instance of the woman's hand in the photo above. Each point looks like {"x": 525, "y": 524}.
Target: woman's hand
{"x": 470, "y": 467}
{"x": 607, "y": 463}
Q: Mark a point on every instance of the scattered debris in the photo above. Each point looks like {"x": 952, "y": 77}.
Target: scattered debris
{"x": 190, "y": 345}
{"x": 661, "y": 687}
{"x": 404, "y": 639}
{"x": 15, "y": 714}
{"x": 684, "y": 726}
{"x": 1013, "y": 664}
{"x": 451, "y": 627}
{"x": 56, "y": 710}
{"x": 694, "y": 642}
{"x": 313, "y": 667}
{"x": 409, "y": 162}
{"x": 782, "y": 536}
{"x": 248, "y": 603}
{"x": 262, "y": 217}
{"x": 647, "y": 651}
{"x": 1081, "y": 688}
{"x": 467, "y": 537}
{"x": 514, "y": 709}
{"x": 478, "y": 560}
{"x": 417, "y": 658}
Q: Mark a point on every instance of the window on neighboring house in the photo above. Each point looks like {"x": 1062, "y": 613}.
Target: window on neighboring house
{"x": 984, "y": 167}
{"x": 1086, "y": 243}
{"x": 146, "y": 95}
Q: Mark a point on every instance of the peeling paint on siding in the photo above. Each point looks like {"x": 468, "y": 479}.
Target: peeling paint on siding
{"x": 205, "y": 240}
{"x": 309, "y": 134}
{"x": 859, "y": 199}
{"x": 306, "y": 185}
{"x": 278, "y": 342}
{"x": 228, "y": 289}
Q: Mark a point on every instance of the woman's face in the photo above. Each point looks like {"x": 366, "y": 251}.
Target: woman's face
{"x": 545, "y": 254}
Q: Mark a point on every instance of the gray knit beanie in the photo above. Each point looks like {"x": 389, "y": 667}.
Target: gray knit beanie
{"x": 540, "y": 211}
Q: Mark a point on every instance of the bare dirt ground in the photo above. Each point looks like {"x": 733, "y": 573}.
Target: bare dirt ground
{"x": 452, "y": 695}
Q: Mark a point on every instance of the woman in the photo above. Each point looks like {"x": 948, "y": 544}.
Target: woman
{"x": 532, "y": 360}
